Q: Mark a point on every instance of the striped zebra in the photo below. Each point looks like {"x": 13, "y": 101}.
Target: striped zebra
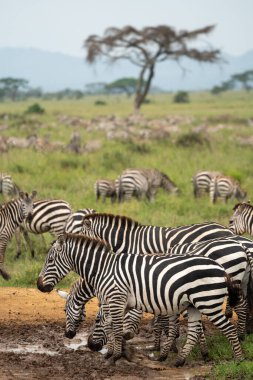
{"x": 201, "y": 182}
{"x": 225, "y": 188}
{"x": 80, "y": 293}
{"x": 154, "y": 284}
{"x": 105, "y": 188}
{"x": 131, "y": 184}
{"x": 12, "y": 214}
{"x": 74, "y": 223}
{"x": 8, "y": 187}
{"x": 140, "y": 182}
{"x": 127, "y": 235}
{"x": 241, "y": 221}
{"x": 48, "y": 216}
{"x": 234, "y": 254}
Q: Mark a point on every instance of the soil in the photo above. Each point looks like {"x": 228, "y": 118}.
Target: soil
{"x": 33, "y": 345}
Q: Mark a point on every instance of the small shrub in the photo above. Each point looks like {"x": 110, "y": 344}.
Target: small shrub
{"x": 35, "y": 108}
{"x": 192, "y": 138}
{"x": 181, "y": 97}
{"x": 100, "y": 103}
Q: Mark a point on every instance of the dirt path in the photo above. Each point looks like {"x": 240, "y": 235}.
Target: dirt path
{"x": 33, "y": 345}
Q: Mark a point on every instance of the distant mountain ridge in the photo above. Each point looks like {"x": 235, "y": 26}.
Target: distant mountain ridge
{"x": 53, "y": 71}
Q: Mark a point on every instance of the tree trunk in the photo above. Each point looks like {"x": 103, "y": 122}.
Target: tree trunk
{"x": 143, "y": 87}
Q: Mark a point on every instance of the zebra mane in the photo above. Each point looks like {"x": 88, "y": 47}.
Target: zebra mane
{"x": 243, "y": 204}
{"x": 112, "y": 216}
{"x": 99, "y": 241}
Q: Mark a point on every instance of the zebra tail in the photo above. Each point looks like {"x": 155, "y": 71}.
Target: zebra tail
{"x": 250, "y": 283}
{"x": 234, "y": 291}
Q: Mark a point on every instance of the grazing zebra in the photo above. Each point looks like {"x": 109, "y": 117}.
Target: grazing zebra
{"x": 105, "y": 188}
{"x": 48, "y": 216}
{"x": 126, "y": 235}
{"x": 12, "y": 214}
{"x": 155, "y": 284}
{"x": 79, "y": 294}
{"x": 132, "y": 182}
{"x": 74, "y": 223}
{"x": 225, "y": 188}
{"x": 241, "y": 221}
{"x": 201, "y": 182}
{"x": 8, "y": 187}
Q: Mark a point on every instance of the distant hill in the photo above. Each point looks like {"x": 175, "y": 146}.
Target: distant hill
{"x": 57, "y": 71}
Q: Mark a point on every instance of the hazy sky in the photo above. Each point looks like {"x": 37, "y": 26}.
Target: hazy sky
{"x": 63, "y": 25}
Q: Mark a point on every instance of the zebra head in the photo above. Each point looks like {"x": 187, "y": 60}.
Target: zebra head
{"x": 56, "y": 266}
{"x": 237, "y": 222}
{"x": 27, "y": 204}
{"x": 87, "y": 228}
{"x": 102, "y": 329}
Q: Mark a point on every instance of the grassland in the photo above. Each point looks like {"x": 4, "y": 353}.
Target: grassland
{"x": 70, "y": 176}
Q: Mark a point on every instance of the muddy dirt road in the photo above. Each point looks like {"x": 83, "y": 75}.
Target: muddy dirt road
{"x": 33, "y": 346}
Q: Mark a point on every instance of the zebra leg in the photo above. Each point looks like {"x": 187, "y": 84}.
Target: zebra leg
{"x": 161, "y": 324}
{"x": 18, "y": 241}
{"x": 241, "y": 312}
{"x": 158, "y": 332}
{"x": 117, "y": 310}
{"x": 194, "y": 332}
{"x": 202, "y": 343}
{"x": 28, "y": 242}
{"x": 171, "y": 337}
{"x": 226, "y": 327}
{"x": 3, "y": 272}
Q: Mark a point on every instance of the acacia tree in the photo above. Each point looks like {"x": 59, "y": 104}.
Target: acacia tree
{"x": 147, "y": 47}
{"x": 245, "y": 78}
{"x": 127, "y": 85}
{"x": 11, "y": 86}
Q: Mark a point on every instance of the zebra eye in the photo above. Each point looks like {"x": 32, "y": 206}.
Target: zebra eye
{"x": 50, "y": 259}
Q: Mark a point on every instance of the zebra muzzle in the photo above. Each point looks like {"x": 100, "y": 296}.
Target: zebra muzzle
{"x": 43, "y": 288}
{"x": 93, "y": 344}
{"x": 70, "y": 334}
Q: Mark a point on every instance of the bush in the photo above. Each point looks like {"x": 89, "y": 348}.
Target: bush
{"x": 100, "y": 103}
{"x": 191, "y": 139}
{"x": 35, "y": 108}
{"x": 181, "y": 97}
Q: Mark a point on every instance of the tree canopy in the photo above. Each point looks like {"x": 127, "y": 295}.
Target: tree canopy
{"x": 146, "y": 47}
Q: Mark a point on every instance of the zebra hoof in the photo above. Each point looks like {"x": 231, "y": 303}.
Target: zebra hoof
{"x": 241, "y": 337}
{"x": 179, "y": 362}
{"x": 162, "y": 358}
{"x": 108, "y": 355}
{"x": 128, "y": 335}
{"x": 205, "y": 356}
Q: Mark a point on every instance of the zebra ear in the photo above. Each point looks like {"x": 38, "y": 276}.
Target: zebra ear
{"x": 61, "y": 239}
{"x": 87, "y": 223}
{"x": 34, "y": 193}
{"x": 21, "y": 194}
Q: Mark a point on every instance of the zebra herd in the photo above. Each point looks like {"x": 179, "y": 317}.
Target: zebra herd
{"x": 142, "y": 183}
{"x": 133, "y": 268}
{"x": 217, "y": 185}
{"x": 137, "y": 183}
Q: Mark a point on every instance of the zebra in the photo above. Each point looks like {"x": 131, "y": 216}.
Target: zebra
{"x": 131, "y": 184}
{"x": 241, "y": 221}
{"x": 49, "y": 215}
{"x": 225, "y": 187}
{"x": 8, "y": 187}
{"x": 228, "y": 252}
{"x": 143, "y": 181}
{"x": 12, "y": 214}
{"x": 79, "y": 294}
{"x": 154, "y": 284}
{"x": 105, "y": 188}
{"x": 127, "y": 235}
{"x": 201, "y": 182}
{"x": 74, "y": 223}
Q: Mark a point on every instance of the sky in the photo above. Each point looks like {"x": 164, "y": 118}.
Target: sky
{"x": 63, "y": 25}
